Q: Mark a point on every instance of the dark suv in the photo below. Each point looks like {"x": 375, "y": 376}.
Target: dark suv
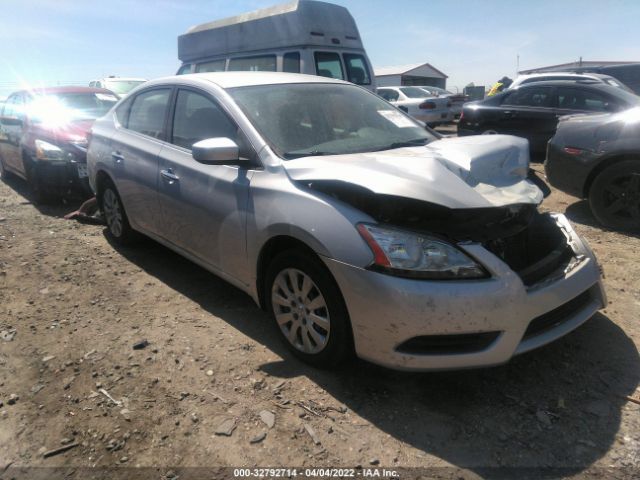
{"x": 43, "y": 137}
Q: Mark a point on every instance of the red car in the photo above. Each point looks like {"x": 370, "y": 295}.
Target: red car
{"x": 43, "y": 137}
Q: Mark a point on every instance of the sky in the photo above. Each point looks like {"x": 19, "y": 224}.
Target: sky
{"x": 56, "y": 42}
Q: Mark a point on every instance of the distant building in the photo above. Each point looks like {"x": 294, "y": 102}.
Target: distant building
{"x": 626, "y": 72}
{"x": 415, "y": 74}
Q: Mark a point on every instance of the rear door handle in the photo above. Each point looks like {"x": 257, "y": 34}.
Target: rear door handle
{"x": 169, "y": 175}
{"x": 117, "y": 157}
{"x": 509, "y": 113}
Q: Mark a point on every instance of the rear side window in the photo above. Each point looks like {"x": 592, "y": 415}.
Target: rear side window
{"x": 215, "y": 66}
{"x": 291, "y": 62}
{"x": 578, "y": 99}
{"x": 148, "y": 112}
{"x": 529, "y": 97}
{"x": 387, "y": 94}
{"x": 197, "y": 118}
{"x": 262, "y": 63}
{"x": 328, "y": 65}
{"x": 357, "y": 71}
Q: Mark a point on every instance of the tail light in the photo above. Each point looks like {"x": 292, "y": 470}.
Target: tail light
{"x": 427, "y": 106}
{"x": 462, "y": 115}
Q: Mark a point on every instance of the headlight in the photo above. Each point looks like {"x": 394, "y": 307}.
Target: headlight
{"x": 48, "y": 151}
{"x": 416, "y": 255}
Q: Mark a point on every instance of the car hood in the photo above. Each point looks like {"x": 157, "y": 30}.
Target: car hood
{"x": 458, "y": 173}
{"x": 66, "y": 133}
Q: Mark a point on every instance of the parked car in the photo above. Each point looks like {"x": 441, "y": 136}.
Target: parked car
{"x": 307, "y": 36}
{"x": 598, "y": 157}
{"x": 532, "y": 111}
{"x": 569, "y": 76}
{"x": 457, "y": 99}
{"x": 119, "y": 85}
{"x": 43, "y": 137}
{"x": 419, "y": 104}
{"x": 351, "y": 224}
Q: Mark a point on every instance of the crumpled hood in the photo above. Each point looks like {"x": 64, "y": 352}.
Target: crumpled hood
{"x": 466, "y": 172}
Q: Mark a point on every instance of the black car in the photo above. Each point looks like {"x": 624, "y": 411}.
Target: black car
{"x": 532, "y": 110}
{"x": 598, "y": 157}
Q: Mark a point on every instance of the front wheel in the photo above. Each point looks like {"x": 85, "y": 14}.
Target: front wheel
{"x": 115, "y": 216}
{"x": 308, "y": 308}
{"x": 614, "y": 196}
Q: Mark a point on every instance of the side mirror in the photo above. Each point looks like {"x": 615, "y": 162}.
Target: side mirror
{"x": 216, "y": 151}
{"x": 11, "y": 121}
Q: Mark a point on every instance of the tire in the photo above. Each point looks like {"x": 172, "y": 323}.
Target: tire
{"x": 296, "y": 282}
{"x": 614, "y": 196}
{"x": 115, "y": 216}
{"x": 39, "y": 195}
{"x": 4, "y": 173}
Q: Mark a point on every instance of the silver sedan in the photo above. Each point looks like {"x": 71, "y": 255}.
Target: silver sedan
{"x": 353, "y": 226}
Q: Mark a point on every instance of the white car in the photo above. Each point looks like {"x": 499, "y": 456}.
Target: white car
{"x": 588, "y": 77}
{"x": 121, "y": 86}
{"x": 419, "y": 104}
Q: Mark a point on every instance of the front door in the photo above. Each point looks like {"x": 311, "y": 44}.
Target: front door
{"x": 204, "y": 206}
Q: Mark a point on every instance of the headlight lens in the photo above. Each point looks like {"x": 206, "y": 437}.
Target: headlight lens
{"x": 48, "y": 151}
{"x": 417, "y": 255}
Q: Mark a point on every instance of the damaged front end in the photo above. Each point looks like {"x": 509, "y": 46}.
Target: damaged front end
{"x": 534, "y": 245}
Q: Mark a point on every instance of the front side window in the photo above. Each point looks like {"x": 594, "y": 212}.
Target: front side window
{"x": 357, "y": 71}
{"x": 388, "y": 94}
{"x": 300, "y": 120}
{"x": 262, "y": 63}
{"x": 148, "y": 112}
{"x": 529, "y": 97}
{"x": 291, "y": 62}
{"x": 215, "y": 66}
{"x": 328, "y": 65}
{"x": 197, "y": 118}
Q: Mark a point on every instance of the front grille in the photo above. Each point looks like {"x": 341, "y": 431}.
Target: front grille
{"x": 448, "y": 344}
{"x": 535, "y": 252}
{"x": 557, "y": 316}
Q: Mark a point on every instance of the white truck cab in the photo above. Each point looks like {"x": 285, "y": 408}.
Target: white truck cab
{"x": 303, "y": 36}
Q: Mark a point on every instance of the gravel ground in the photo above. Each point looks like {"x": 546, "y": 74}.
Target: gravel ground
{"x": 214, "y": 386}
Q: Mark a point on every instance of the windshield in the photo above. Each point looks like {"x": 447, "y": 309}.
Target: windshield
{"x": 122, "y": 87}
{"x": 414, "y": 92}
{"x": 300, "y": 120}
{"x": 68, "y": 107}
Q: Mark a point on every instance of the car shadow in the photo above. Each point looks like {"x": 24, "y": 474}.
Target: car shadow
{"x": 580, "y": 212}
{"x": 55, "y": 208}
{"x": 557, "y": 407}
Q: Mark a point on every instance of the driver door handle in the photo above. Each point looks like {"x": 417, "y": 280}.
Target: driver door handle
{"x": 169, "y": 175}
{"x": 117, "y": 157}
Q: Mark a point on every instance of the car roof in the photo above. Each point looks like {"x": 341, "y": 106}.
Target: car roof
{"x": 65, "y": 89}
{"x": 246, "y": 79}
{"x": 564, "y": 83}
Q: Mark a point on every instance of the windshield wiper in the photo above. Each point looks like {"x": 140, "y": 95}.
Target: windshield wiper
{"x": 312, "y": 153}
{"x": 417, "y": 142}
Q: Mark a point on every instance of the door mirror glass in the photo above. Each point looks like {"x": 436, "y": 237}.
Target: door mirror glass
{"x": 216, "y": 151}
{"x": 11, "y": 121}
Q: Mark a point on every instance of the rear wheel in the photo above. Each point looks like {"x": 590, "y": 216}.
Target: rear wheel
{"x": 614, "y": 196}
{"x": 114, "y": 214}
{"x": 308, "y": 309}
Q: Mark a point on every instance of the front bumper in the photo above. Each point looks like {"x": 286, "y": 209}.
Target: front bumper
{"x": 388, "y": 311}
{"x": 63, "y": 177}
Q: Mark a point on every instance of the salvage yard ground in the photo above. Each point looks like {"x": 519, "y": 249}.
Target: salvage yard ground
{"x": 215, "y": 387}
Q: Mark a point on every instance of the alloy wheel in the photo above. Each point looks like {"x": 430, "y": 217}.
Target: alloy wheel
{"x": 622, "y": 197}
{"x": 112, "y": 212}
{"x": 300, "y": 310}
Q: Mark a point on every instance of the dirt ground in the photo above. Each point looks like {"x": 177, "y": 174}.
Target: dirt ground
{"x": 72, "y": 307}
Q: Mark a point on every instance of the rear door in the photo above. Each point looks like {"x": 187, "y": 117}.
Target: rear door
{"x": 134, "y": 155}
{"x": 204, "y": 206}
{"x": 528, "y": 112}
{"x": 568, "y": 100}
